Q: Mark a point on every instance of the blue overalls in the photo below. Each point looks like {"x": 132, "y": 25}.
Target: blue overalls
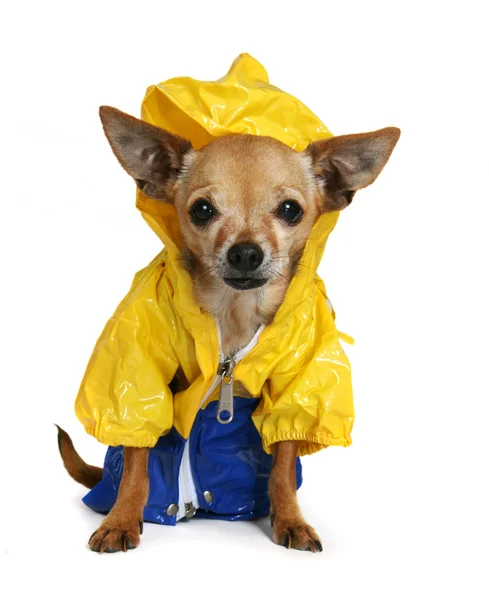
{"x": 220, "y": 472}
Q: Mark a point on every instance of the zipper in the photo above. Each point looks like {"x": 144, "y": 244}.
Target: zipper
{"x": 188, "y": 502}
{"x": 225, "y": 406}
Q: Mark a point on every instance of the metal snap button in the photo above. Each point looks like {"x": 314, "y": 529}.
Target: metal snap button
{"x": 209, "y": 497}
{"x": 172, "y": 510}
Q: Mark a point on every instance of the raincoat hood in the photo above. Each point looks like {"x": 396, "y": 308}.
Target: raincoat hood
{"x": 241, "y": 102}
{"x": 297, "y": 367}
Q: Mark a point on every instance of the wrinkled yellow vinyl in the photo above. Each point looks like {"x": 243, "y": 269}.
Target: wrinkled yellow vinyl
{"x": 298, "y": 368}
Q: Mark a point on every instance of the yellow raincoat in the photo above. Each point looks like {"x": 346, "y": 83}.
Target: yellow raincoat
{"x": 297, "y": 367}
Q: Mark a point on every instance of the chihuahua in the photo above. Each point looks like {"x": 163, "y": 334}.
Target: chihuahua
{"x": 246, "y": 206}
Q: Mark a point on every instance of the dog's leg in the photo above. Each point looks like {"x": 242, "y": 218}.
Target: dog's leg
{"x": 121, "y": 527}
{"x": 289, "y": 528}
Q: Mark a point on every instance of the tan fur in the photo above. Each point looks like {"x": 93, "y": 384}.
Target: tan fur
{"x": 246, "y": 178}
{"x": 85, "y": 474}
{"x": 289, "y": 528}
{"x": 121, "y": 528}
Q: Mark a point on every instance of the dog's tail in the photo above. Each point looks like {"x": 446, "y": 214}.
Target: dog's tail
{"x": 85, "y": 474}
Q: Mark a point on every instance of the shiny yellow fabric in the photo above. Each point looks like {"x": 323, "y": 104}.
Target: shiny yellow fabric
{"x": 298, "y": 367}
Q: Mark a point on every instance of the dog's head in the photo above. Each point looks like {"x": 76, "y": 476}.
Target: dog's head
{"x": 246, "y": 204}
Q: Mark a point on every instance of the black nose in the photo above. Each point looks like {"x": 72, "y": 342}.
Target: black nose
{"x": 245, "y": 257}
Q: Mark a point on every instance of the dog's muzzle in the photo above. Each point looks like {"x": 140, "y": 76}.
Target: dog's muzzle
{"x": 244, "y": 259}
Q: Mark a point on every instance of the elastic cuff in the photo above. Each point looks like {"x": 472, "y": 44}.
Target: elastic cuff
{"x": 309, "y": 443}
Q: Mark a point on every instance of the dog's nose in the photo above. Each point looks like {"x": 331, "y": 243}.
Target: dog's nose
{"x": 245, "y": 256}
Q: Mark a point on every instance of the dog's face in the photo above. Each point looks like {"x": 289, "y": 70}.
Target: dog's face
{"x": 246, "y": 207}
{"x": 246, "y": 204}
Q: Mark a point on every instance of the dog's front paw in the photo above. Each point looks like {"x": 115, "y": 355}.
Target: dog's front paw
{"x": 295, "y": 534}
{"x": 116, "y": 537}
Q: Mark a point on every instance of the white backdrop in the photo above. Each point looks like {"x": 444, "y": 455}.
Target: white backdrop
{"x": 403, "y": 512}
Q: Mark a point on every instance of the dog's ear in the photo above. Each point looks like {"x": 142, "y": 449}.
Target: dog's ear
{"x": 347, "y": 163}
{"x": 153, "y": 156}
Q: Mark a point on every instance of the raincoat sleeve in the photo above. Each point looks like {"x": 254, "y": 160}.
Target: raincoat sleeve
{"x": 124, "y": 398}
{"x": 308, "y": 396}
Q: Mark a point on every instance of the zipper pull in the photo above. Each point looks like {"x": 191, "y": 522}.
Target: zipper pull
{"x": 225, "y": 407}
{"x": 190, "y": 510}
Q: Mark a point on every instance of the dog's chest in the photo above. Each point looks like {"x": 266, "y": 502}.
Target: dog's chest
{"x": 236, "y": 334}
{"x": 238, "y": 316}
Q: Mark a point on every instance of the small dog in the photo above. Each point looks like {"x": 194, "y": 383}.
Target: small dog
{"x": 246, "y": 206}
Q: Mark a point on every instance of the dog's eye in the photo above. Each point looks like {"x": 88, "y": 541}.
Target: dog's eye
{"x": 290, "y": 212}
{"x": 202, "y": 212}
